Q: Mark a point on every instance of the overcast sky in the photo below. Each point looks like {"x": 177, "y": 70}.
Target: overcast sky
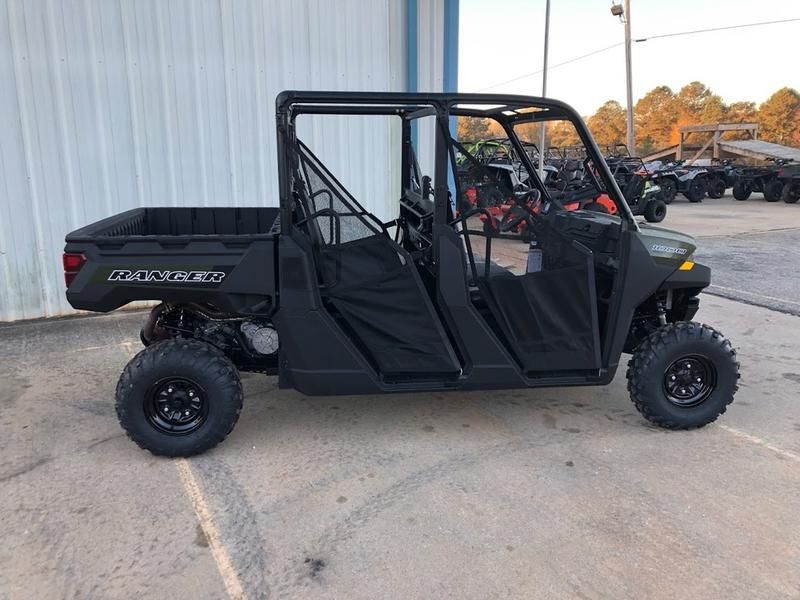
{"x": 502, "y": 39}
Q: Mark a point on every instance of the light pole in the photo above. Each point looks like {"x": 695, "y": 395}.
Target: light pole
{"x": 544, "y": 84}
{"x": 624, "y": 14}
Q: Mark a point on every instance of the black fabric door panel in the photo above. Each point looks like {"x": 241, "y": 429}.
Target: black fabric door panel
{"x": 380, "y": 301}
{"x": 549, "y": 317}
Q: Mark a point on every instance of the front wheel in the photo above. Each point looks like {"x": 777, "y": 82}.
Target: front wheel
{"x": 179, "y": 397}
{"x": 668, "y": 190}
{"x": 772, "y": 191}
{"x": 696, "y": 190}
{"x": 683, "y": 376}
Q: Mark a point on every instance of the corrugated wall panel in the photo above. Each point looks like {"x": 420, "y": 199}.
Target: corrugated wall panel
{"x": 430, "y": 72}
{"x": 111, "y": 105}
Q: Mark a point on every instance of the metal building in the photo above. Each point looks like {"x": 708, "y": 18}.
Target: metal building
{"x": 107, "y": 106}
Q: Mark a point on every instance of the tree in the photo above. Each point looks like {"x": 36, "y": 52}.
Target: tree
{"x": 655, "y": 115}
{"x": 741, "y": 112}
{"x": 713, "y": 110}
{"x": 473, "y": 128}
{"x": 779, "y": 117}
{"x": 608, "y": 123}
{"x": 562, "y": 133}
{"x": 696, "y": 104}
{"x": 557, "y": 133}
{"x": 529, "y": 132}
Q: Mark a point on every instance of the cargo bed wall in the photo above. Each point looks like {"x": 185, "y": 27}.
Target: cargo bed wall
{"x": 219, "y": 256}
{"x": 205, "y": 221}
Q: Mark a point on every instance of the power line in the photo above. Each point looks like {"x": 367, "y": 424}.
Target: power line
{"x": 666, "y": 35}
{"x": 561, "y": 64}
{"x": 644, "y": 39}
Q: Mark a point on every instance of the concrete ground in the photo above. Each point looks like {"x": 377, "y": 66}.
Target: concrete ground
{"x": 559, "y": 493}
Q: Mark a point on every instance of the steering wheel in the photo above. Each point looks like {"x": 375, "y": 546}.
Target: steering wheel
{"x": 526, "y": 202}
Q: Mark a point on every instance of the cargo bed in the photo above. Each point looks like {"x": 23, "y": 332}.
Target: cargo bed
{"x": 216, "y": 255}
{"x": 171, "y": 222}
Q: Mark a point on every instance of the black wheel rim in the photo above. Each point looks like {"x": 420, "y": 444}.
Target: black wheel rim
{"x": 690, "y": 380}
{"x": 176, "y": 406}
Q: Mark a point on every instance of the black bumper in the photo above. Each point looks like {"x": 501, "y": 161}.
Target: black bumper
{"x": 696, "y": 278}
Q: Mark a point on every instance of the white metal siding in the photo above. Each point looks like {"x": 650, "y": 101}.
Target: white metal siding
{"x": 430, "y": 73}
{"x": 108, "y": 105}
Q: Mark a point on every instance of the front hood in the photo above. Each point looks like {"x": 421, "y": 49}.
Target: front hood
{"x": 666, "y": 245}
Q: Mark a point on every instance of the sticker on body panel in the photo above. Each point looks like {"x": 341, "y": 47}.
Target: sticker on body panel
{"x": 168, "y": 276}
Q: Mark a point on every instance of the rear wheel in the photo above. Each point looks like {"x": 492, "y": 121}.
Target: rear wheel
{"x": 772, "y": 191}
{"x": 668, "y": 189}
{"x": 790, "y": 194}
{"x": 683, "y": 376}
{"x": 742, "y": 190}
{"x": 179, "y": 397}
{"x": 655, "y": 211}
{"x": 716, "y": 188}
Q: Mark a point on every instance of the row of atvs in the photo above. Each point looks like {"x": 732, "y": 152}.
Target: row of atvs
{"x": 494, "y": 175}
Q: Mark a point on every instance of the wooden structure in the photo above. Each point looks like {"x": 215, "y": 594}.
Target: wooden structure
{"x": 714, "y": 142}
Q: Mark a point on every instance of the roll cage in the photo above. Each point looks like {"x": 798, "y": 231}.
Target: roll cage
{"x": 508, "y": 110}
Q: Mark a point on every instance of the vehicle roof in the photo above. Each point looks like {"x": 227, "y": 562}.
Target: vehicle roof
{"x": 509, "y": 107}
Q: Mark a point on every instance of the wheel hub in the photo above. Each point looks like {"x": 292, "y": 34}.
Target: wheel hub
{"x": 689, "y": 380}
{"x": 176, "y": 406}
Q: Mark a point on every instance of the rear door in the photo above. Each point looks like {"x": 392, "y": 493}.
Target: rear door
{"x": 369, "y": 283}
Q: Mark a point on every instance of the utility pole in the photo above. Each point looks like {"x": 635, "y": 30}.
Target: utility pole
{"x": 628, "y": 75}
{"x": 544, "y": 85}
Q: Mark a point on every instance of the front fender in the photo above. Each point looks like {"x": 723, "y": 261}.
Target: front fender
{"x": 697, "y": 277}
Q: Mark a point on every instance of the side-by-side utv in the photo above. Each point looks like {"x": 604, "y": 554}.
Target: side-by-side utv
{"x": 334, "y": 300}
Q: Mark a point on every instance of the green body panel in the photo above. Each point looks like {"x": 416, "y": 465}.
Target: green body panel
{"x": 666, "y": 246}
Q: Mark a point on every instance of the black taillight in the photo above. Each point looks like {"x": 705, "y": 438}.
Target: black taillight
{"x": 72, "y": 264}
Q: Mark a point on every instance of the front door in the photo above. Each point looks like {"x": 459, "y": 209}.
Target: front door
{"x": 532, "y": 280}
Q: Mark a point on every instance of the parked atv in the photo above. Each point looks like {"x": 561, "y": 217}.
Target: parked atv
{"x": 642, "y": 189}
{"x": 497, "y": 159}
{"x": 645, "y": 198}
{"x": 333, "y": 300}
{"x": 762, "y": 178}
{"x": 674, "y": 179}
